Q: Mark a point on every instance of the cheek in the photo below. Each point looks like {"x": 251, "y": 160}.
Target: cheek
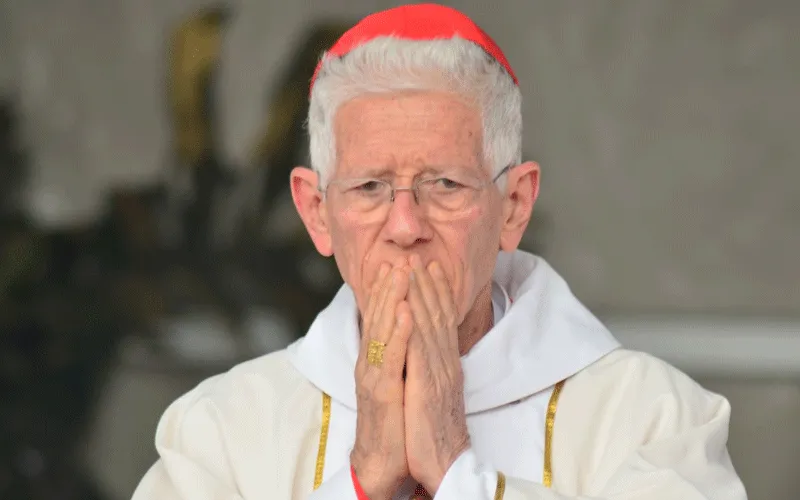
{"x": 345, "y": 242}
{"x": 352, "y": 242}
{"x": 481, "y": 236}
{"x": 476, "y": 242}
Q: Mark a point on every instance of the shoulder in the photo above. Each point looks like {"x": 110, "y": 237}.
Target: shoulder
{"x": 631, "y": 383}
{"x": 261, "y": 390}
{"x": 229, "y": 429}
{"x": 636, "y": 369}
{"x": 271, "y": 375}
{"x": 632, "y": 422}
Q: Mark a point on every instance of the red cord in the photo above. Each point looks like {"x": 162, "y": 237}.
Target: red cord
{"x": 359, "y": 490}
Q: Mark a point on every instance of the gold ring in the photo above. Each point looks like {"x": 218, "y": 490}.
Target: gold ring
{"x": 375, "y": 353}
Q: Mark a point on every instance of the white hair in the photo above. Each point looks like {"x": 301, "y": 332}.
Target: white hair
{"x": 389, "y": 64}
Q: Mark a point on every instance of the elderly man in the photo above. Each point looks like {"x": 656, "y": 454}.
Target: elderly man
{"x": 450, "y": 365}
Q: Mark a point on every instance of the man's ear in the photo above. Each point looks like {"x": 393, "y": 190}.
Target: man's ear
{"x": 522, "y": 190}
{"x": 308, "y": 200}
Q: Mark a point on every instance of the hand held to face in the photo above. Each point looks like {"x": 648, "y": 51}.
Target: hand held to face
{"x": 435, "y": 418}
{"x": 379, "y": 453}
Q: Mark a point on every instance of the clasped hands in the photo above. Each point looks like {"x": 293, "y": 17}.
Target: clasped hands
{"x": 411, "y": 418}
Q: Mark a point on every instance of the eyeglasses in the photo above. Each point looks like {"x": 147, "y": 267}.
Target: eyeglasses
{"x": 443, "y": 198}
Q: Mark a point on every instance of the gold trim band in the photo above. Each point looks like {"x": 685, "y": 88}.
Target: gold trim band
{"x": 547, "y": 480}
{"x": 323, "y": 440}
{"x": 550, "y": 422}
{"x": 501, "y": 486}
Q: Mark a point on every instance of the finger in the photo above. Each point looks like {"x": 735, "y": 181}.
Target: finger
{"x": 375, "y": 289}
{"x": 446, "y": 303}
{"x": 415, "y": 353}
{"x": 382, "y": 294}
{"x": 419, "y": 312}
{"x": 394, "y": 358}
{"x": 388, "y": 313}
{"x": 444, "y": 292}
{"x": 429, "y": 295}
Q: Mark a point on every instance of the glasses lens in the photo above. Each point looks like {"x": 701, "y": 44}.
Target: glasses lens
{"x": 365, "y": 195}
{"x": 446, "y": 197}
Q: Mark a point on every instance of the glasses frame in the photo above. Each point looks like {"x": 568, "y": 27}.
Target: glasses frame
{"x": 413, "y": 189}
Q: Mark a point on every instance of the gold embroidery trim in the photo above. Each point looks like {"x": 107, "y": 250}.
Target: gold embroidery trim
{"x": 501, "y": 486}
{"x": 323, "y": 439}
{"x": 550, "y": 422}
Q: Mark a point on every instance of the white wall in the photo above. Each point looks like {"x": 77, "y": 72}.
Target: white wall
{"x": 722, "y": 348}
{"x": 666, "y": 129}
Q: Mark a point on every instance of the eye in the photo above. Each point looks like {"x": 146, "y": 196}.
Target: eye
{"x": 447, "y": 184}
{"x": 369, "y": 186}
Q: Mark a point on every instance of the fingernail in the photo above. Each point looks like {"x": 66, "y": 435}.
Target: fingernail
{"x": 411, "y": 276}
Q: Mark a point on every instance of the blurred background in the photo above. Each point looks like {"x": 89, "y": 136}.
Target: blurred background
{"x": 147, "y": 239}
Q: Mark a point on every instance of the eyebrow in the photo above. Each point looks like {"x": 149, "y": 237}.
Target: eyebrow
{"x": 376, "y": 172}
{"x": 383, "y": 172}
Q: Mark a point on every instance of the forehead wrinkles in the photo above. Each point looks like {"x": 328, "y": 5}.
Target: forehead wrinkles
{"x": 422, "y": 129}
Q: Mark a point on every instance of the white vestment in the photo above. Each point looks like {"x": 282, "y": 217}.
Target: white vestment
{"x": 622, "y": 425}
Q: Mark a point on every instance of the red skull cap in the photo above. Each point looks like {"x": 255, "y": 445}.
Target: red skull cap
{"x": 425, "y": 21}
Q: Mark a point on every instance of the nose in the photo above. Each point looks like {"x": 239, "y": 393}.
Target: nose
{"x": 405, "y": 223}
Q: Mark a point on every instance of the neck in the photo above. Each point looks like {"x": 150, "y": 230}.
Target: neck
{"x": 478, "y": 321}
